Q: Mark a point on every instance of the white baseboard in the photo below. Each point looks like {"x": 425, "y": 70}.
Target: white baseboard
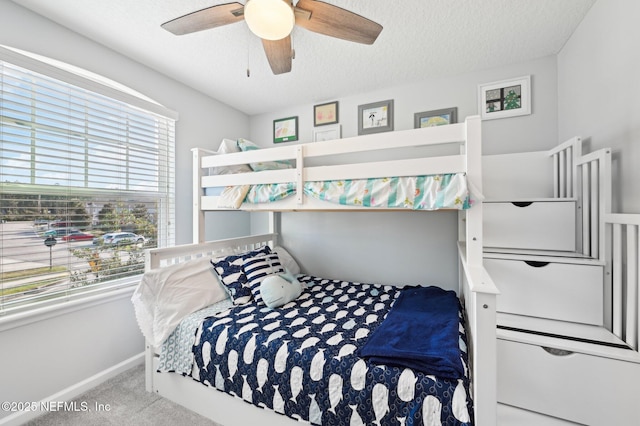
{"x": 73, "y": 391}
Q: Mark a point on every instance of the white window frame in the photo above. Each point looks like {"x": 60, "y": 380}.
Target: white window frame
{"x": 165, "y": 224}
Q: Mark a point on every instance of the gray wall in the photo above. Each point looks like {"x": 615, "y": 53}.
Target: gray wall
{"x": 374, "y": 247}
{"x": 45, "y": 357}
{"x": 408, "y": 247}
{"x": 59, "y": 352}
{"x": 599, "y": 91}
{"x": 519, "y": 134}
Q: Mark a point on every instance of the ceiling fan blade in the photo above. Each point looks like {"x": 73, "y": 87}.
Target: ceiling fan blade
{"x": 210, "y": 17}
{"x": 334, "y": 21}
{"x": 279, "y": 54}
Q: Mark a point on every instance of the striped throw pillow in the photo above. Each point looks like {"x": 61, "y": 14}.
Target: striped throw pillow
{"x": 231, "y": 272}
{"x": 258, "y": 268}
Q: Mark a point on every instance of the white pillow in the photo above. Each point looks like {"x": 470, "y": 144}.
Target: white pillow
{"x": 166, "y": 295}
{"x": 287, "y": 260}
{"x": 228, "y": 146}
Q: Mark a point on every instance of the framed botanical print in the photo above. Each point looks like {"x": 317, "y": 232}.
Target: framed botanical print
{"x": 506, "y": 98}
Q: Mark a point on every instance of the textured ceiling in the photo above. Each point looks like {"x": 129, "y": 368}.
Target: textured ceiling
{"x": 420, "y": 39}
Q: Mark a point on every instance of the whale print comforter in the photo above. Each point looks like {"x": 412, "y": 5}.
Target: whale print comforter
{"x": 301, "y": 360}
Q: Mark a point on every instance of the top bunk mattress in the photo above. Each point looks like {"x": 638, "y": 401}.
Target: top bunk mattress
{"x": 432, "y": 192}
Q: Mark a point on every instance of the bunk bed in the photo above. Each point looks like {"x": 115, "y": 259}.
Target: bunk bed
{"x": 335, "y": 378}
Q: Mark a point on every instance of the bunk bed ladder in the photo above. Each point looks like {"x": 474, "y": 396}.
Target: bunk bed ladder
{"x": 602, "y": 272}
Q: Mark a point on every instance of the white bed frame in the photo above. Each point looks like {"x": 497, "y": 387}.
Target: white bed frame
{"x": 476, "y": 288}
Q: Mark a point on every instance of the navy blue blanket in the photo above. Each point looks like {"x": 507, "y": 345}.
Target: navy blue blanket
{"x": 420, "y": 332}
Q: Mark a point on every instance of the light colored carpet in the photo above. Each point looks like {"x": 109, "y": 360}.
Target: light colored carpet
{"x": 129, "y": 405}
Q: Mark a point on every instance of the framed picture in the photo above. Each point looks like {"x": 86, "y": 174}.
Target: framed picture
{"x": 375, "y": 118}
{"x": 437, "y": 117}
{"x": 327, "y": 133}
{"x": 507, "y": 98}
{"x": 285, "y": 130}
{"x": 324, "y": 114}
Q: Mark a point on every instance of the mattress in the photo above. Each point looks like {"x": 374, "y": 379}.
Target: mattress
{"x": 432, "y": 192}
{"x": 301, "y": 360}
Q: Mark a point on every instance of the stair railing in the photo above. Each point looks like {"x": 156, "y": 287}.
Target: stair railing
{"x": 594, "y": 194}
{"x": 587, "y": 178}
{"x": 565, "y": 178}
{"x": 612, "y": 238}
{"x": 623, "y": 259}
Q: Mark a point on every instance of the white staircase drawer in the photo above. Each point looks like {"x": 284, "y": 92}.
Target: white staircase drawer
{"x": 573, "y": 386}
{"x": 560, "y": 291}
{"x": 540, "y": 225}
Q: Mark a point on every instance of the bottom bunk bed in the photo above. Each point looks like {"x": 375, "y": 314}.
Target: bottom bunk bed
{"x": 321, "y": 351}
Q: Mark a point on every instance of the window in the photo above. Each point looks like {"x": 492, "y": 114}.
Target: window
{"x": 86, "y": 183}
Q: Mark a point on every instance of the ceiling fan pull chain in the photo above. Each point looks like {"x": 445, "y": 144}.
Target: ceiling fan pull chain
{"x": 248, "y": 57}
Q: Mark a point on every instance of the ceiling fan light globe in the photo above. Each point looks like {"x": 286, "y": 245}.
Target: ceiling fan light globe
{"x": 269, "y": 19}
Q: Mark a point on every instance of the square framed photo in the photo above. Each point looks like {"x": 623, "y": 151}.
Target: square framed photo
{"x": 325, "y": 114}
{"x": 506, "y": 98}
{"x": 437, "y": 117}
{"x": 375, "y": 117}
{"x": 327, "y": 133}
{"x": 285, "y": 130}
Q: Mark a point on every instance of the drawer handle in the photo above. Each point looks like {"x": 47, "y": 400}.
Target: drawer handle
{"x": 522, "y": 203}
{"x": 556, "y": 352}
{"x": 536, "y": 264}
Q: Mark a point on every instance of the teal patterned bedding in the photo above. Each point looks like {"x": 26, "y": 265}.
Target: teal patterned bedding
{"x": 175, "y": 352}
{"x": 432, "y": 192}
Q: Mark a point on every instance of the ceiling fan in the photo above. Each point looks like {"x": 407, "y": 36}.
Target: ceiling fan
{"x": 273, "y": 21}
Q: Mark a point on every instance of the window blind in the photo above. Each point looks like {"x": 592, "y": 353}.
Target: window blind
{"x": 78, "y": 167}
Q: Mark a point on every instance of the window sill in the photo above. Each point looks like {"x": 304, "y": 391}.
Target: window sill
{"x": 25, "y": 317}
